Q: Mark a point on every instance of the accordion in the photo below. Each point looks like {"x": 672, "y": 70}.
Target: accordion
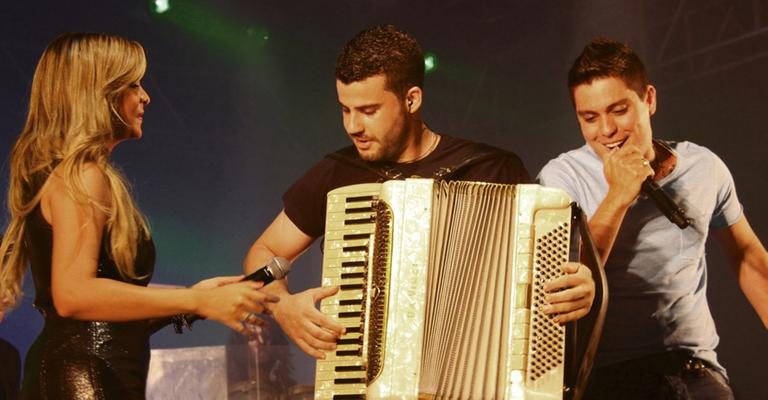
{"x": 441, "y": 287}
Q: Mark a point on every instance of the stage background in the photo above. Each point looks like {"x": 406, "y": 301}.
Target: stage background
{"x": 243, "y": 101}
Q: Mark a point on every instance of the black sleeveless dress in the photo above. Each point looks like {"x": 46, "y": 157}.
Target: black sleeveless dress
{"x": 73, "y": 359}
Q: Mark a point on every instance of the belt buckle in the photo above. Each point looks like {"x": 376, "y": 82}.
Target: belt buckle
{"x": 694, "y": 365}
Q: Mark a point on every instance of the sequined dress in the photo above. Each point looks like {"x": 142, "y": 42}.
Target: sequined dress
{"x": 73, "y": 359}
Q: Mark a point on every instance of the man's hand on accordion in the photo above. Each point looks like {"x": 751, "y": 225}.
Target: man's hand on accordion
{"x": 571, "y": 295}
{"x": 311, "y": 330}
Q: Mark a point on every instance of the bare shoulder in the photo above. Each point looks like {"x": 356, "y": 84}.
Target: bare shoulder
{"x": 95, "y": 182}
{"x": 59, "y": 191}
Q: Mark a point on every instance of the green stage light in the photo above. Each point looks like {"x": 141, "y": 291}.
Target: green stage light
{"x": 258, "y": 33}
{"x": 205, "y": 23}
{"x": 430, "y": 63}
{"x": 161, "y": 6}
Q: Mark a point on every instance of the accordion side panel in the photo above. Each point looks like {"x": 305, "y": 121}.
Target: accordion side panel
{"x": 410, "y": 202}
{"x": 545, "y": 214}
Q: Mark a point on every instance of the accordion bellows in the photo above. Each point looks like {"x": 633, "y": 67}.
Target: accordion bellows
{"x": 441, "y": 285}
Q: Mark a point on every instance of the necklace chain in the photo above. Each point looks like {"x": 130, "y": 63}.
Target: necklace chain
{"x": 435, "y": 138}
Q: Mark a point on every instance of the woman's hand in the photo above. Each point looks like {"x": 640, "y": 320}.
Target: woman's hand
{"x": 232, "y": 302}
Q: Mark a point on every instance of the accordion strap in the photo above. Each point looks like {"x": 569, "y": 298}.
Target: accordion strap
{"x": 589, "y": 329}
{"x": 446, "y": 173}
{"x": 481, "y": 154}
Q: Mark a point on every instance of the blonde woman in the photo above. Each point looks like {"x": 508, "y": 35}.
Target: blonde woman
{"x": 74, "y": 222}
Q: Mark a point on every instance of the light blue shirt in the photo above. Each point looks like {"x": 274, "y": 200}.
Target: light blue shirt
{"x": 657, "y": 273}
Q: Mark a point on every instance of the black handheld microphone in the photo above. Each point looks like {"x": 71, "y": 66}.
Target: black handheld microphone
{"x": 277, "y": 268}
{"x": 668, "y": 207}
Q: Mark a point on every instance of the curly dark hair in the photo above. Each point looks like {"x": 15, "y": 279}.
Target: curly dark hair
{"x": 604, "y": 58}
{"x": 383, "y": 49}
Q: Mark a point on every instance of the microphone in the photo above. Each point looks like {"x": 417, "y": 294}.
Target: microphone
{"x": 668, "y": 207}
{"x": 277, "y": 268}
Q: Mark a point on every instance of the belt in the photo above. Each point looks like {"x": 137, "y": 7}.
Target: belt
{"x": 668, "y": 363}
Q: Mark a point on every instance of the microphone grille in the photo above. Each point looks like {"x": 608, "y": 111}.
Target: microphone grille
{"x": 280, "y": 267}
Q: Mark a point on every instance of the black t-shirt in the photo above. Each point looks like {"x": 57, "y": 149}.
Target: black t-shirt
{"x": 305, "y": 201}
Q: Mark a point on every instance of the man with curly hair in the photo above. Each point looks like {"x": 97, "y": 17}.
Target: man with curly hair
{"x": 379, "y": 81}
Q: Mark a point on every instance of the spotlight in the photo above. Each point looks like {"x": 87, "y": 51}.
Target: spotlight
{"x": 430, "y": 62}
{"x": 258, "y": 33}
{"x": 160, "y": 6}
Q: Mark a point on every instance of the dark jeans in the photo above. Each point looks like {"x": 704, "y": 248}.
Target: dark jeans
{"x": 673, "y": 375}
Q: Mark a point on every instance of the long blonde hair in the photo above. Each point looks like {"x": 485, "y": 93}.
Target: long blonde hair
{"x": 73, "y": 120}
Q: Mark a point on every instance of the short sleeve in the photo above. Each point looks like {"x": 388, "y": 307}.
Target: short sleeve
{"x": 558, "y": 174}
{"x": 304, "y": 202}
{"x": 727, "y": 209}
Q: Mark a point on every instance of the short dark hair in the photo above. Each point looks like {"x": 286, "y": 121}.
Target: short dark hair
{"x": 386, "y": 50}
{"x": 606, "y": 58}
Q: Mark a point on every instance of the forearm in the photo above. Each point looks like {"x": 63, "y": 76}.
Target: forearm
{"x": 258, "y": 256}
{"x": 753, "y": 280}
{"x": 109, "y": 300}
{"x": 605, "y": 224}
{"x": 282, "y": 238}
